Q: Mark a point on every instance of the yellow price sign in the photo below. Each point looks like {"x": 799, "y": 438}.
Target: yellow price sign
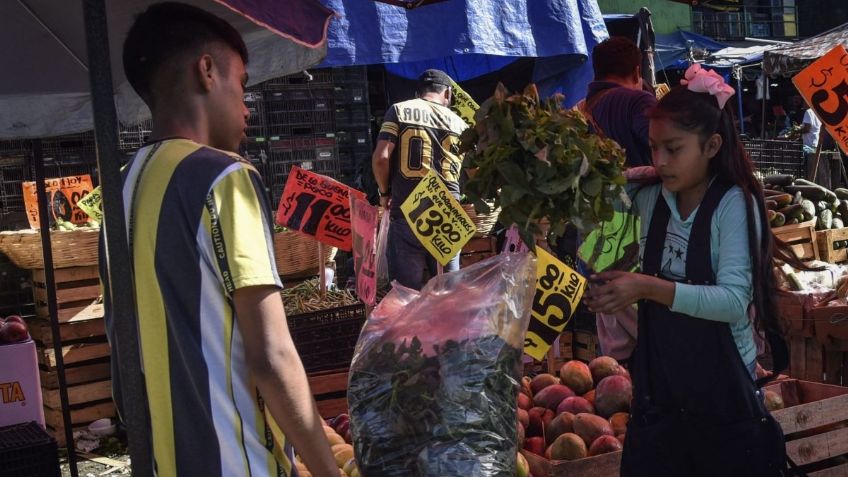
{"x": 463, "y": 104}
{"x": 92, "y": 204}
{"x": 437, "y": 219}
{"x": 558, "y": 291}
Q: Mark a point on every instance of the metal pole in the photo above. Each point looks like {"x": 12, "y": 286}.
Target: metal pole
{"x": 739, "y": 98}
{"x": 125, "y": 348}
{"x": 765, "y": 95}
{"x": 52, "y": 306}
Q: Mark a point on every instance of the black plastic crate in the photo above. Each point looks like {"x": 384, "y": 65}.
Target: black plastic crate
{"x": 13, "y": 171}
{"x": 351, "y": 116}
{"x": 350, "y": 74}
{"x": 133, "y": 137}
{"x": 774, "y": 156}
{"x": 314, "y": 77}
{"x": 326, "y": 339}
{"x": 351, "y": 94}
{"x": 256, "y": 122}
{"x": 27, "y": 451}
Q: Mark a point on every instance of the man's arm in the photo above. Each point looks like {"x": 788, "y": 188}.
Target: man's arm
{"x": 275, "y": 365}
{"x": 380, "y": 165}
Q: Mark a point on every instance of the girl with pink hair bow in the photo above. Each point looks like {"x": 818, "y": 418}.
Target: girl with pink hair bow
{"x": 706, "y": 252}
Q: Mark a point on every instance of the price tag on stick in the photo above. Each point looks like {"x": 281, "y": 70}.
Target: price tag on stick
{"x": 824, "y": 85}
{"x": 364, "y": 249}
{"x": 437, "y": 219}
{"x": 92, "y": 204}
{"x": 558, "y": 292}
{"x": 319, "y": 206}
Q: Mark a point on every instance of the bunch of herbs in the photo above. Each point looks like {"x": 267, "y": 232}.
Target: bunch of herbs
{"x": 541, "y": 163}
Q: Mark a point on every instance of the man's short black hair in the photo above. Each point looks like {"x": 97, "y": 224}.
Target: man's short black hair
{"x": 166, "y": 31}
{"x": 617, "y": 57}
{"x": 433, "y": 81}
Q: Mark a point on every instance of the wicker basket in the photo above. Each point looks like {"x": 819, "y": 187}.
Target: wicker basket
{"x": 71, "y": 248}
{"x": 297, "y": 254}
{"x": 484, "y": 222}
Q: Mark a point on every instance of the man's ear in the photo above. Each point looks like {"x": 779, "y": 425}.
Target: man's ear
{"x": 205, "y": 68}
{"x": 713, "y": 145}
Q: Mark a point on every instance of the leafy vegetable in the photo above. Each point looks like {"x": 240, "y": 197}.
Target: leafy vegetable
{"x": 449, "y": 411}
{"x": 540, "y": 162}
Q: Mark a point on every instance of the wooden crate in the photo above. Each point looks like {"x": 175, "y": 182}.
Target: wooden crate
{"x": 604, "y": 465}
{"x": 77, "y": 292}
{"x": 330, "y": 392}
{"x": 810, "y": 360}
{"x": 578, "y": 344}
{"x": 801, "y": 238}
{"x": 815, "y": 422}
{"x": 826, "y": 239}
{"x": 476, "y": 250}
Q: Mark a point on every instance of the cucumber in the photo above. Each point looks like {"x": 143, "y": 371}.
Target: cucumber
{"x": 767, "y": 192}
{"x": 798, "y": 198}
{"x": 782, "y": 200}
{"x": 770, "y": 214}
{"x": 771, "y": 205}
{"x": 793, "y": 222}
{"x": 779, "y": 220}
{"x": 822, "y": 205}
{"x": 809, "y": 192}
{"x": 843, "y": 208}
{"x": 809, "y": 208}
{"x": 842, "y": 193}
{"x": 837, "y": 223}
{"x": 834, "y": 205}
{"x": 805, "y": 183}
{"x": 794, "y": 282}
{"x": 825, "y": 220}
{"x": 792, "y": 211}
{"x": 779, "y": 179}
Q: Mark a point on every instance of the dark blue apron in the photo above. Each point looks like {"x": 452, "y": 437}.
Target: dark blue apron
{"x": 696, "y": 410}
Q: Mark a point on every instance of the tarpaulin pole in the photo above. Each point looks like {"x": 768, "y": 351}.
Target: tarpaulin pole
{"x": 739, "y": 98}
{"x": 125, "y": 349}
{"x": 52, "y": 305}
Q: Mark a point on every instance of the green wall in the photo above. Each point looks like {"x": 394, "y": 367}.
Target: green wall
{"x": 667, "y": 16}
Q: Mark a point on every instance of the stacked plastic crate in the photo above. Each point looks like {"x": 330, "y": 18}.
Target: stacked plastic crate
{"x": 299, "y": 116}
{"x": 353, "y": 119}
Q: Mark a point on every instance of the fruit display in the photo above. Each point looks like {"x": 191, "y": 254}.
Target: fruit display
{"x": 793, "y": 201}
{"x": 337, "y": 431}
{"x": 581, "y": 413}
{"x": 13, "y": 329}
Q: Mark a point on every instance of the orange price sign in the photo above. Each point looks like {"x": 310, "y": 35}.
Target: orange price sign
{"x": 63, "y": 193}
{"x": 319, "y": 206}
{"x": 824, "y": 85}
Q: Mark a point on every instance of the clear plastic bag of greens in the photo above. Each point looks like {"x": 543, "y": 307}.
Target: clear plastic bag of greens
{"x": 435, "y": 376}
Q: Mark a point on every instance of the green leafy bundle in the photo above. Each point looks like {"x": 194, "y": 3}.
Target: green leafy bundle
{"x": 432, "y": 413}
{"x": 540, "y": 162}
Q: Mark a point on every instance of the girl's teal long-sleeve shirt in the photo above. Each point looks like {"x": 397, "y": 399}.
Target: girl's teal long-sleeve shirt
{"x": 728, "y": 300}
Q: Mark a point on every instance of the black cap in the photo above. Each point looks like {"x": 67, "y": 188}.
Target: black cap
{"x": 435, "y": 77}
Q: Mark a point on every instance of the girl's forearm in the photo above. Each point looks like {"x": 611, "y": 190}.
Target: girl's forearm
{"x": 658, "y": 290}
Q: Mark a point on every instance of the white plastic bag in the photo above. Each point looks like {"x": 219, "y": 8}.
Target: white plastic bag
{"x": 382, "y": 251}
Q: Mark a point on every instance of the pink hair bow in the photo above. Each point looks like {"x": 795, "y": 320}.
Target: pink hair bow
{"x": 702, "y": 80}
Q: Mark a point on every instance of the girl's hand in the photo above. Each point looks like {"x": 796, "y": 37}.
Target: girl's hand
{"x": 617, "y": 291}
{"x": 622, "y": 289}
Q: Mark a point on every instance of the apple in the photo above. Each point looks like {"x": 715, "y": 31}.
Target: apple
{"x": 13, "y": 332}
{"x": 15, "y": 318}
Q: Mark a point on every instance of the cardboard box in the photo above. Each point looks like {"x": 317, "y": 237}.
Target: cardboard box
{"x": 20, "y": 386}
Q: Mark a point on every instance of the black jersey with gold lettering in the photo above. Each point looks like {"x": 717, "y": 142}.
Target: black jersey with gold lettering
{"x": 426, "y": 136}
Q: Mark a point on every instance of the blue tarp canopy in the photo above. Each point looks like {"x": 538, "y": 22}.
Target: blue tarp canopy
{"x": 470, "y": 38}
{"x": 673, "y": 49}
